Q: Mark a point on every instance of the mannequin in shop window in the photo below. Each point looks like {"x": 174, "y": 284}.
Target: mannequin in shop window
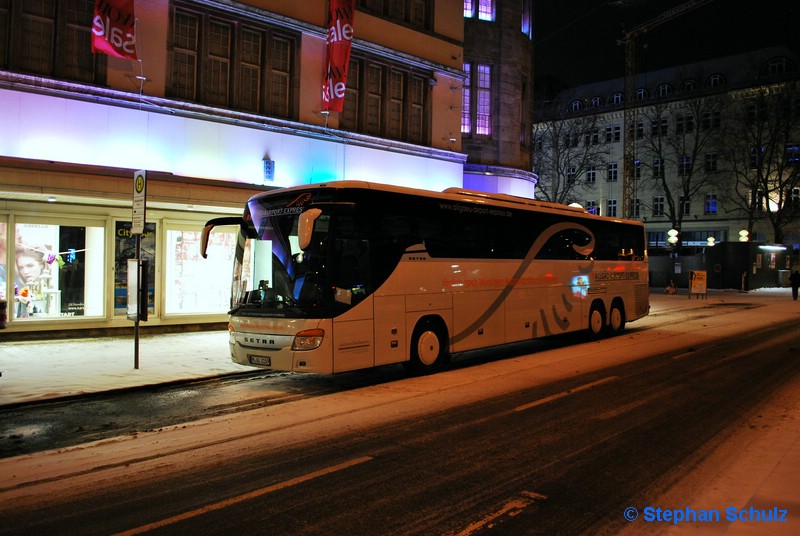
{"x": 31, "y": 281}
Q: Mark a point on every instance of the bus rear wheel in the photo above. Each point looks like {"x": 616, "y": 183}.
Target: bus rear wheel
{"x": 616, "y": 317}
{"x": 428, "y": 349}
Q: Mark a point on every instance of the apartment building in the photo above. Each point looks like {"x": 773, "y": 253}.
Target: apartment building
{"x": 715, "y": 151}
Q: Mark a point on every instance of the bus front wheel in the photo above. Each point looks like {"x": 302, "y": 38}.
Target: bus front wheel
{"x": 428, "y": 349}
{"x": 597, "y": 321}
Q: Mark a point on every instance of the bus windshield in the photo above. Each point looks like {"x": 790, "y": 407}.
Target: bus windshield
{"x": 280, "y": 273}
{"x": 273, "y": 276}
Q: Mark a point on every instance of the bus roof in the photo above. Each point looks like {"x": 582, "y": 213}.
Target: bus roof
{"x": 455, "y": 194}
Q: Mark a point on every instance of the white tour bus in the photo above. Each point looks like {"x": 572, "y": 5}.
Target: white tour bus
{"x": 348, "y": 275}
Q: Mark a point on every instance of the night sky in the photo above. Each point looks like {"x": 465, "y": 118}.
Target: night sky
{"x": 576, "y": 40}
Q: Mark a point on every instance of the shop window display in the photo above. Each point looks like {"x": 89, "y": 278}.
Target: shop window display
{"x": 195, "y": 284}
{"x": 52, "y": 268}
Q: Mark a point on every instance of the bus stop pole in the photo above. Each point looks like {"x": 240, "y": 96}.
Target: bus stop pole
{"x": 138, "y": 293}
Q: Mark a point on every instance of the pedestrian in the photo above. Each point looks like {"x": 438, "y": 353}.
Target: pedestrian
{"x": 794, "y": 279}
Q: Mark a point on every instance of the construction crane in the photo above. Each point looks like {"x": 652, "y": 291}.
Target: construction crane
{"x": 629, "y": 41}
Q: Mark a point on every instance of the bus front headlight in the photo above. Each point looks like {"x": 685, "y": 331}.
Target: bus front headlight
{"x": 308, "y": 339}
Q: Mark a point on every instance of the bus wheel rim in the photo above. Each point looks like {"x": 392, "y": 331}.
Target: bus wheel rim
{"x": 616, "y": 318}
{"x": 428, "y": 348}
{"x": 596, "y": 321}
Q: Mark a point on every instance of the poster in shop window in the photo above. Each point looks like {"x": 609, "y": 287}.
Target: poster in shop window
{"x": 124, "y": 249}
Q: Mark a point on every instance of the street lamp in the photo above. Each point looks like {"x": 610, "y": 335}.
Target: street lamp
{"x": 744, "y": 236}
{"x": 672, "y": 236}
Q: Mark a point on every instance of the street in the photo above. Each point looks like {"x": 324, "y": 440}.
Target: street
{"x": 561, "y": 440}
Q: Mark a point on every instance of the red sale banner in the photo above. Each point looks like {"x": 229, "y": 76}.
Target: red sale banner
{"x": 114, "y": 28}
{"x": 337, "y": 53}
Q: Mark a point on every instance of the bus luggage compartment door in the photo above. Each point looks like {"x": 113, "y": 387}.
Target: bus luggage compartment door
{"x": 390, "y": 330}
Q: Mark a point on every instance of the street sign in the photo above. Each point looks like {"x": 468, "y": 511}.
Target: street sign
{"x": 139, "y": 202}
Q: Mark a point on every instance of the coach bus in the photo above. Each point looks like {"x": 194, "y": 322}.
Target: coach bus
{"x": 348, "y": 275}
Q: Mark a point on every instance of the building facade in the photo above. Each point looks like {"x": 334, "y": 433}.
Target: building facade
{"x": 224, "y": 101}
{"x": 497, "y": 97}
{"x": 715, "y": 151}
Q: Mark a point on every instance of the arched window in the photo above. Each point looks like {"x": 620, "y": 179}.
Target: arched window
{"x": 716, "y": 80}
{"x": 641, "y": 94}
{"x": 596, "y": 102}
{"x": 576, "y": 105}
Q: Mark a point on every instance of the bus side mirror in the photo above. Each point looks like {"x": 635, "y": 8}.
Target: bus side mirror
{"x": 210, "y": 224}
{"x": 305, "y": 226}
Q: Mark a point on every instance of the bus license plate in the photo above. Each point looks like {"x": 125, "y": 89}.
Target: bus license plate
{"x": 260, "y": 360}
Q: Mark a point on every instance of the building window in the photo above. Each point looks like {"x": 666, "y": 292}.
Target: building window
{"x": 639, "y": 130}
{"x": 56, "y": 270}
{"x": 591, "y": 174}
{"x": 659, "y": 127}
{"x": 793, "y": 154}
{"x": 611, "y": 208}
{"x": 637, "y": 208}
{"x": 656, "y": 239}
{"x": 776, "y": 66}
{"x": 476, "y": 100}
{"x": 613, "y": 133}
{"x": 689, "y": 86}
{"x": 710, "y": 206}
{"x": 386, "y": 100}
{"x": 641, "y": 94}
{"x": 592, "y": 137}
{"x": 658, "y": 168}
{"x": 415, "y": 13}
{"x": 591, "y": 207}
{"x": 196, "y": 289}
{"x": 685, "y": 166}
{"x": 527, "y": 18}
{"x": 480, "y": 9}
{"x": 795, "y": 198}
{"x": 756, "y": 156}
{"x": 613, "y": 174}
{"x": 658, "y": 205}
{"x": 466, "y": 100}
{"x": 711, "y": 162}
{"x": 571, "y": 139}
{"x": 596, "y": 102}
{"x": 716, "y": 80}
{"x": 685, "y": 206}
{"x": 571, "y": 172}
{"x": 483, "y": 123}
{"x": 664, "y": 90}
{"x": 711, "y": 120}
{"x": 617, "y": 98}
{"x": 50, "y": 38}
{"x": 576, "y": 105}
{"x": 637, "y": 169}
{"x": 684, "y": 124}
{"x": 759, "y": 200}
{"x": 257, "y": 78}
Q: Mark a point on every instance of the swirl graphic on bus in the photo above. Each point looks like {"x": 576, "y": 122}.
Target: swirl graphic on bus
{"x": 584, "y": 270}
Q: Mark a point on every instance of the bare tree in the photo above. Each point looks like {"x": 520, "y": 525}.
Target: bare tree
{"x": 763, "y": 151}
{"x": 565, "y": 149}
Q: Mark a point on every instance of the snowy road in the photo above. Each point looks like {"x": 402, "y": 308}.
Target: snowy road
{"x": 561, "y": 441}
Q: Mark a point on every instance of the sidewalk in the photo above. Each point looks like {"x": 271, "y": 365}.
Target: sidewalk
{"x": 43, "y": 370}
{"x": 49, "y": 369}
